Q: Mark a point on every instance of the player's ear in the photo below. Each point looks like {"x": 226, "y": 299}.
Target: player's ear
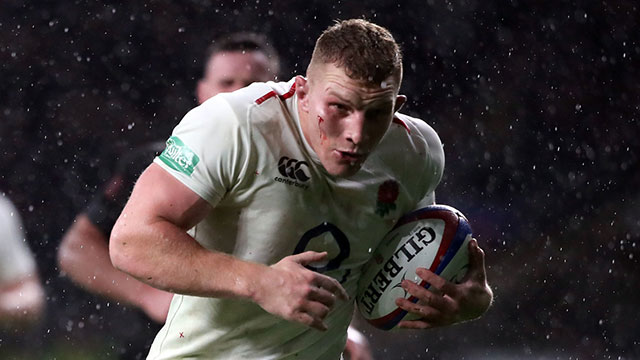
{"x": 302, "y": 92}
{"x": 400, "y": 101}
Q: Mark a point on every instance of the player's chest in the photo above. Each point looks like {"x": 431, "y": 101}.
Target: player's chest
{"x": 346, "y": 218}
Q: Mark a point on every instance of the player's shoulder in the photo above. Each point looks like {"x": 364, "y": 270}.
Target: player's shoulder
{"x": 414, "y": 139}
{"x": 415, "y": 130}
{"x": 259, "y": 94}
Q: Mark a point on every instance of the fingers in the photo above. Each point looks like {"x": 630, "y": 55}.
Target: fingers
{"x": 425, "y": 297}
{"x": 310, "y": 320}
{"x": 444, "y": 302}
{"x": 331, "y": 285}
{"x": 322, "y": 296}
{"x": 430, "y": 306}
{"x": 310, "y": 295}
{"x": 436, "y": 281}
{"x": 433, "y": 305}
{"x": 308, "y": 257}
{"x": 321, "y": 281}
{"x": 316, "y": 306}
{"x": 318, "y": 312}
{"x": 431, "y": 309}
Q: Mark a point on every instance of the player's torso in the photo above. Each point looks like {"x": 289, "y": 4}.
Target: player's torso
{"x": 271, "y": 199}
{"x": 285, "y": 203}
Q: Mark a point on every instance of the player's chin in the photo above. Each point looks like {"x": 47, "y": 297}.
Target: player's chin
{"x": 344, "y": 169}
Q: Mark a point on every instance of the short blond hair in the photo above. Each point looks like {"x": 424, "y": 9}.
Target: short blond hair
{"x": 365, "y": 51}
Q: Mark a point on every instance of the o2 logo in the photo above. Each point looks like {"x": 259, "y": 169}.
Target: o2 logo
{"x": 322, "y": 238}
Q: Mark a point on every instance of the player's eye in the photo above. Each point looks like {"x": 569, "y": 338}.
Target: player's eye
{"x": 338, "y": 106}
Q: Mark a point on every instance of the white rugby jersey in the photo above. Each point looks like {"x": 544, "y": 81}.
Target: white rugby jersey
{"x": 245, "y": 154}
{"x": 16, "y": 260}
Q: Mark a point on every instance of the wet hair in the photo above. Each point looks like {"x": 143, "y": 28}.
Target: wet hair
{"x": 245, "y": 42}
{"x": 365, "y": 51}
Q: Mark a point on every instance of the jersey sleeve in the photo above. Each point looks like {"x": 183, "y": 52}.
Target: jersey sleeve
{"x": 434, "y": 167}
{"x": 16, "y": 260}
{"x": 208, "y": 150}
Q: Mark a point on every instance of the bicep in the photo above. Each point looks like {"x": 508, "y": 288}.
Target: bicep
{"x": 158, "y": 196}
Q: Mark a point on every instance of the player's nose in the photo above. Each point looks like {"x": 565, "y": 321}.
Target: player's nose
{"x": 355, "y": 127}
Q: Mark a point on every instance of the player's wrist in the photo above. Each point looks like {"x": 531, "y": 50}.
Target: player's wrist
{"x": 255, "y": 285}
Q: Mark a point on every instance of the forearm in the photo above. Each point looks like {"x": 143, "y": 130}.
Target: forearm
{"x": 164, "y": 256}
{"x": 150, "y": 242}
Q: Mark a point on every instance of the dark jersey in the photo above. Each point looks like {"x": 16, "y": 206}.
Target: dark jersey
{"x": 104, "y": 209}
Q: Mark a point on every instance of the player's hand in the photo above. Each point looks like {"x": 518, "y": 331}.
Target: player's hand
{"x": 357, "y": 347}
{"x": 448, "y": 303}
{"x": 298, "y": 294}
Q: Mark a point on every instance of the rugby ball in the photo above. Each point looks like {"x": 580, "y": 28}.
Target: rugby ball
{"x": 435, "y": 237}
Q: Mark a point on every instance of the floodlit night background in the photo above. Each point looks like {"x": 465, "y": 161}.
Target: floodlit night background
{"x": 537, "y": 104}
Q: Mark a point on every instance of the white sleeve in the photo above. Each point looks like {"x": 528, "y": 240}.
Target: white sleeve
{"x": 435, "y": 164}
{"x": 208, "y": 150}
{"x": 16, "y": 260}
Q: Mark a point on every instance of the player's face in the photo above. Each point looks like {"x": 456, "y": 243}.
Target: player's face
{"x": 233, "y": 70}
{"x": 343, "y": 119}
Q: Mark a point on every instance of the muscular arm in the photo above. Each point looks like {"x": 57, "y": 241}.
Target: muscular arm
{"x": 150, "y": 242}
{"x": 84, "y": 256}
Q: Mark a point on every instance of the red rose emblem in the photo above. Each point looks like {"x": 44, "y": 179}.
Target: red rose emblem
{"x": 388, "y": 192}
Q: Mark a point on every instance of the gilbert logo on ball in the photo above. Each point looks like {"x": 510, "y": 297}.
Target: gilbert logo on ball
{"x": 435, "y": 237}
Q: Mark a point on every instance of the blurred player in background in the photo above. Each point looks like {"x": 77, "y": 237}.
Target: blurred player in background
{"x": 232, "y": 62}
{"x": 262, "y": 209}
{"x": 21, "y": 293}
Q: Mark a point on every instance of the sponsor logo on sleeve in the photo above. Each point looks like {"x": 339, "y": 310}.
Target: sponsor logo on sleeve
{"x": 179, "y": 157}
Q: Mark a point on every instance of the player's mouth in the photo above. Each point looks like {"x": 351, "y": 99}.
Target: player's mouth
{"x": 352, "y": 157}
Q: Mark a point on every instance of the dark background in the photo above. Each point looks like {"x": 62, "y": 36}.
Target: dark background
{"x": 537, "y": 103}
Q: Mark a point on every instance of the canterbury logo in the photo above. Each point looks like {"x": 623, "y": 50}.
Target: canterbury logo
{"x": 293, "y": 169}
